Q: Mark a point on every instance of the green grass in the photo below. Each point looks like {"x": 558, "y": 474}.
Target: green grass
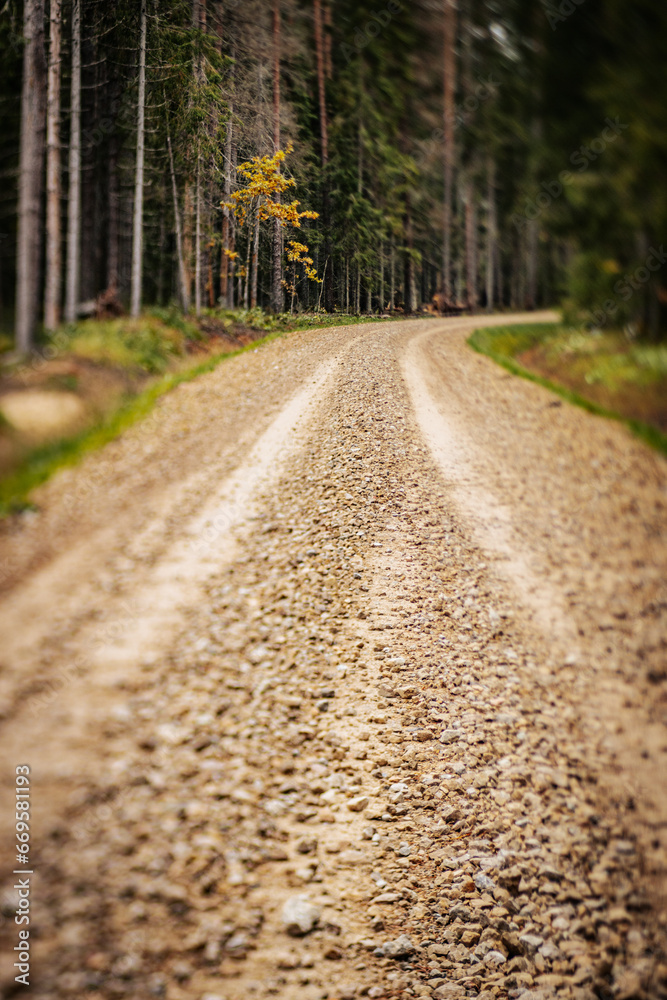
{"x": 503, "y": 343}
{"x": 257, "y": 319}
{"x": 40, "y": 463}
{"x": 148, "y": 344}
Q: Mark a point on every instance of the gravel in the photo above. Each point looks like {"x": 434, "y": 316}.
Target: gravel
{"x": 458, "y": 822}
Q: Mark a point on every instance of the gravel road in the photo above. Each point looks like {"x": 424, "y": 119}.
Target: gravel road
{"x": 343, "y": 675}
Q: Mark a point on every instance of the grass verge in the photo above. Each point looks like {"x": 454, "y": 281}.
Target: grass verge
{"x": 580, "y": 366}
{"x": 43, "y": 461}
{"x": 148, "y": 345}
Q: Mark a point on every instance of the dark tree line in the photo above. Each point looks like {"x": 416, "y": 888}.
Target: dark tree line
{"x": 503, "y": 155}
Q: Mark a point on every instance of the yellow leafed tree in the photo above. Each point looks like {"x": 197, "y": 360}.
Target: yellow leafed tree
{"x": 259, "y": 200}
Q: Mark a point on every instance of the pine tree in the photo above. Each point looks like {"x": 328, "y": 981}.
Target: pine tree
{"x": 53, "y": 281}
{"x": 31, "y": 173}
{"x": 138, "y": 215}
{"x": 449, "y": 153}
{"x": 74, "y": 190}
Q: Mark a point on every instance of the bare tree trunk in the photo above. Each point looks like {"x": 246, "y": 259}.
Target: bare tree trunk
{"x": 255, "y": 259}
{"x": 232, "y": 240}
{"x": 162, "y": 243}
{"x": 209, "y": 278}
{"x": 357, "y": 293}
{"x": 113, "y": 202}
{"x": 31, "y": 174}
{"x": 471, "y": 245}
{"x": 409, "y": 291}
{"x": 322, "y": 65}
{"x": 328, "y": 26}
{"x": 520, "y": 270}
{"x": 202, "y": 222}
{"x": 182, "y": 277}
{"x": 321, "y": 85}
{"x": 381, "y": 275}
{"x": 89, "y": 249}
{"x": 227, "y": 265}
{"x": 74, "y": 192}
{"x": 54, "y": 269}
{"x": 198, "y": 187}
{"x": 500, "y": 291}
{"x": 188, "y": 234}
{"x": 231, "y": 160}
{"x": 492, "y": 233}
{"x": 532, "y": 244}
{"x": 137, "y": 224}
{"x": 277, "y": 287}
{"x": 347, "y": 284}
{"x": 449, "y": 150}
{"x": 246, "y": 285}
{"x": 113, "y": 234}
{"x": 226, "y": 195}
{"x": 392, "y": 278}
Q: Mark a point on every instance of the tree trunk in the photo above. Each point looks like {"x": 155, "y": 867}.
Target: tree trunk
{"x": 328, "y": 27}
{"x": 321, "y": 57}
{"x": 492, "y": 234}
{"x": 381, "y": 275}
{"x": 449, "y": 150}
{"x": 137, "y": 223}
{"x": 227, "y": 264}
{"x": 255, "y": 260}
{"x": 31, "y": 174}
{"x": 188, "y": 233}
{"x": 532, "y": 243}
{"x": 471, "y": 245}
{"x": 321, "y": 84}
{"x": 198, "y": 252}
{"x": 232, "y": 238}
{"x": 357, "y": 292}
{"x": 226, "y": 195}
{"x": 409, "y": 292}
{"x": 162, "y": 243}
{"x": 182, "y": 277}
{"x": 74, "y": 191}
{"x": 500, "y": 291}
{"x": 199, "y": 21}
{"x": 209, "y": 279}
{"x": 53, "y": 280}
{"x": 89, "y": 248}
{"x": 392, "y": 278}
{"x": 277, "y": 287}
{"x": 113, "y": 233}
{"x": 246, "y": 285}
{"x": 520, "y": 270}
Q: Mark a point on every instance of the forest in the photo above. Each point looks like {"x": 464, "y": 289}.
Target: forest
{"x": 353, "y": 157}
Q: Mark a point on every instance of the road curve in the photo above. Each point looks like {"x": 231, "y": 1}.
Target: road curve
{"x": 356, "y": 624}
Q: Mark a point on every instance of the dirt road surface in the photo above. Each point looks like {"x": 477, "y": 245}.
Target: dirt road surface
{"x": 342, "y": 675}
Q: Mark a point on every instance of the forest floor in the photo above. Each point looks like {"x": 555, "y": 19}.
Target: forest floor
{"x": 342, "y": 674}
